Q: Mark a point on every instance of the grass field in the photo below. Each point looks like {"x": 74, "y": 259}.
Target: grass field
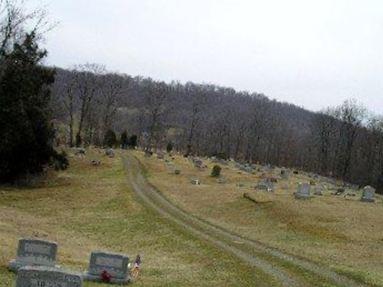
{"x": 91, "y": 208}
{"x": 342, "y": 233}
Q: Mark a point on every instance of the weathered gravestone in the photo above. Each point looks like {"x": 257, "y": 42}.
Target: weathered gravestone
{"x": 42, "y": 276}
{"x": 115, "y": 266}
{"x": 265, "y": 185}
{"x": 318, "y": 190}
{"x": 303, "y": 191}
{"x": 284, "y": 174}
{"x": 368, "y": 194}
{"x": 34, "y": 252}
{"x": 109, "y": 152}
{"x": 195, "y": 182}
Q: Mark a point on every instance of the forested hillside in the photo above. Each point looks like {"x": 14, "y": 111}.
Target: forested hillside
{"x": 204, "y": 119}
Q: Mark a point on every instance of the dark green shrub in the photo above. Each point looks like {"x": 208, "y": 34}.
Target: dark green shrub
{"x": 124, "y": 140}
{"x": 169, "y": 147}
{"x": 216, "y": 171}
{"x": 132, "y": 141}
{"x": 60, "y": 160}
{"x": 110, "y": 139}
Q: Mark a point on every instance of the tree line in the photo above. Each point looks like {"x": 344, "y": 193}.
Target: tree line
{"x": 343, "y": 142}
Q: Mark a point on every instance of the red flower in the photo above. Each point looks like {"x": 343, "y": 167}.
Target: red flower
{"x": 105, "y": 276}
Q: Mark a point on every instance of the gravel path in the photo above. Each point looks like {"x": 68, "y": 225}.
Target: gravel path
{"x": 269, "y": 260}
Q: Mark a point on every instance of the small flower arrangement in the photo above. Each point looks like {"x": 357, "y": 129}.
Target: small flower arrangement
{"x": 105, "y": 276}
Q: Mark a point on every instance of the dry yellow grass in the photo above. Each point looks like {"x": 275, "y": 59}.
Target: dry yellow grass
{"x": 89, "y": 208}
{"x": 343, "y": 233}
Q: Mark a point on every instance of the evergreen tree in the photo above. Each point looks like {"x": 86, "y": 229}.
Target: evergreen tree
{"x": 26, "y": 132}
{"x": 132, "y": 141}
{"x": 124, "y": 139}
{"x": 169, "y": 147}
{"x": 110, "y": 139}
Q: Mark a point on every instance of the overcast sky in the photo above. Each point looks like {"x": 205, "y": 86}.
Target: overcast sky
{"x": 310, "y": 53}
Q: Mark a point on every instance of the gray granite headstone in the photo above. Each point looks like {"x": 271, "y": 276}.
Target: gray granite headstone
{"x": 265, "y": 185}
{"x": 303, "y": 191}
{"x": 116, "y": 265}
{"x": 368, "y": 194}
{"x": 318, "y": 190}
{"x": 284, "y": 174}
{"x": 42, "y": 276}
{"x": 34, "y": 252}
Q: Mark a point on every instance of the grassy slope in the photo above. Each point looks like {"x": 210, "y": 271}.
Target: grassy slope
{"x": 343, "y": 233}
{"x": 87, "y": 208}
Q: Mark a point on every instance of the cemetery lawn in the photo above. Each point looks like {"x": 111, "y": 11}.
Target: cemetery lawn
{"x": 91, "y": 208}
{"x": 342, "y": 234}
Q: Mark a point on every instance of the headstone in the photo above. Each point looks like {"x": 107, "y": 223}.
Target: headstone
{"x": 160, "y": 155}
{"x": 368, "y": 194}
{"x": 95, "y": 162}
{"x": 79, "y": 151}
{"x": 42, "y": 276}
{"x": 318, "y": 190}
{"x": 109, "y": 152}
{"x": 221, "y": 180}
{"x": 195, "y": 182}
{"x": 339, "y": 191}
{"x": 265, "y": 185}
{"x": 284, "y": 174}
{"x": 303, "y": 191}
{"x": 112, "y": 264}
{"x": 34, "y": 252}
{"x": 177, "y": 171}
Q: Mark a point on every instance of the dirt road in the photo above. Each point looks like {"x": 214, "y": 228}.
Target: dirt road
{"x": 286, "y": 269}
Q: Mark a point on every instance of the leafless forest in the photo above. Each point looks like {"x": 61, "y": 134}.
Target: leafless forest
{"x": 344, "y": 142}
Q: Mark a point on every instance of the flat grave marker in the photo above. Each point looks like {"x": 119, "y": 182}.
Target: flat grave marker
{"x": 43, "y": 276}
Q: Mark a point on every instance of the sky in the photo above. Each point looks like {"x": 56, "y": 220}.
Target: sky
{"x": 313, "y": 54}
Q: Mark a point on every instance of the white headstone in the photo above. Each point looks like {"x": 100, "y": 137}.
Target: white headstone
{"x": 368, "y": 194}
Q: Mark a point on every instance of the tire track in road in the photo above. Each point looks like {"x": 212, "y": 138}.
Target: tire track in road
{"x": 249, "y": 251}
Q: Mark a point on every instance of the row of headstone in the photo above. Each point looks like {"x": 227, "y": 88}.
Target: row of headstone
{"x": 35, "y": 265}
{"x": 303, "y": 192}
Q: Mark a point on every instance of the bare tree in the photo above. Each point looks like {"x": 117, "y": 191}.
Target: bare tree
{"x": 87, "y": 84}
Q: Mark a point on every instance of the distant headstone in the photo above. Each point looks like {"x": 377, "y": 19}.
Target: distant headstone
{"x": 34, "y": 252}
{"x": 198, "y": 163}
{"x": 79, "y": 151}
{"x": 368, "y": 194}
{"x": 284, "y": 174}
{"x": 109, "y": 152}
{"x": 265, "y": 185}
{"x": 318, "y": 190}
{"x": 42, "y": 276}
{"x": 95, "y": 162}
{"x": 303, "y": 191}
{"x": 295, "y": 172}
{"x": 195, "y": 182}
{"x": 221, "y": 180}
{"x": 112, "y": 264}
{"x": 339, "y": 191}
{"x": 160, "y": 155}
{"x": 177, "y": 171}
